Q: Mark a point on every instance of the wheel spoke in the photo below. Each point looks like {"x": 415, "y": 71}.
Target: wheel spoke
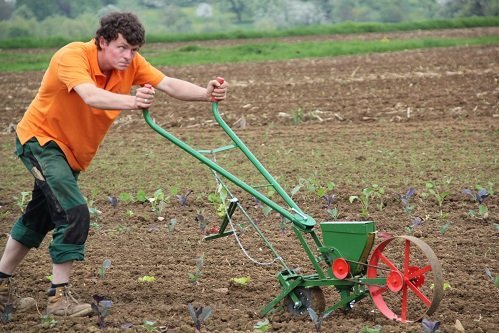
{"x": 407, "y": 251}
{"x": 388, "y": 262}
{"x": 418, "y": 293}
{"x": 419, "y": 272}
{"x": 404, "y": 304}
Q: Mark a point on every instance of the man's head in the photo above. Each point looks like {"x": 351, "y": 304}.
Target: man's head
{"x": 125, "y": 24}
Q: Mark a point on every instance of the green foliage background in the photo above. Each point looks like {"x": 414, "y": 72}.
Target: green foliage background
{"x": 78, "y": 19}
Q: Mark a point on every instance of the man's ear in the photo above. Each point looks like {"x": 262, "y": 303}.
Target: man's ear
{"x": 102, "y": 42}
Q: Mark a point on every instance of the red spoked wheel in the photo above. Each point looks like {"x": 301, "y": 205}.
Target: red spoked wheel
{"x": 414, "y": 283}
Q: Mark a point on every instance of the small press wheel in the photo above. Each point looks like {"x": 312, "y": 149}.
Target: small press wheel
{"x": 309, "y": 297}
{"x": 414, "y": 283}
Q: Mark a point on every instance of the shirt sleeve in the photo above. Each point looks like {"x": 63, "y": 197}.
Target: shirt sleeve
{"x": 73, "y": 68}
{"x": 146, "y": 73}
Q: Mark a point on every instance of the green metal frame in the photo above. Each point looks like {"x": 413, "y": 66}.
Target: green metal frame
{"x": 352, "y": 289}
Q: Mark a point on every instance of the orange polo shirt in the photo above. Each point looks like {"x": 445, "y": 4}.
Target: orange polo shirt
{"x": 59, "y": 114}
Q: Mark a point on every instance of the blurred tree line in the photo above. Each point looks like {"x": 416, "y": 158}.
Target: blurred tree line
{"x": 70, "y": 18}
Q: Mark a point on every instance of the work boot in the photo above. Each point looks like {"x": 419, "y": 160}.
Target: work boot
{"x": 62, "y": 303}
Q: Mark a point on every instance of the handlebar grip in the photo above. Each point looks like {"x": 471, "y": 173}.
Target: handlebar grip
{"x": 220, "y": 80}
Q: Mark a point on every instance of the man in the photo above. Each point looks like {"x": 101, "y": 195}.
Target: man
{"x": 82, "y": 91}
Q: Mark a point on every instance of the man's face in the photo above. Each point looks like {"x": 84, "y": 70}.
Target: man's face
{"x": 117, "y": 54}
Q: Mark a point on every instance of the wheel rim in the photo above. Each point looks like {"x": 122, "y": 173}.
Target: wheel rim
{"x": 422, "y": 284}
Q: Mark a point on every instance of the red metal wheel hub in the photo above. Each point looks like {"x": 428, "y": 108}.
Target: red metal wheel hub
{"x": 417, "y": 281}
{"x": 341, "y": 268}
{"x": 395, "y": 281}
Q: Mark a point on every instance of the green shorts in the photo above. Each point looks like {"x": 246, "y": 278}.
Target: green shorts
{"x": 57, "y": 203}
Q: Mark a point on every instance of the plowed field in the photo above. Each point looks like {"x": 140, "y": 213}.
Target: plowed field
{"x": 396, "y": 120}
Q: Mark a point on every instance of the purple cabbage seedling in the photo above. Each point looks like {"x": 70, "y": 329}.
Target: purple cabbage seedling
{"x": 202, "y": 222}
{"x": 495, "y": 279}
{"x": 415, "y": 223}
{"x": 183, "y": 198}
{"x": 113, "y": 201}
{"x": 101, "y": 308}
{"x": 479, "y": 197}
{"x": 406, "y": 200}
{"x": 199, "y": 315}
{"x": 6, "y": 314}
{"x": 430, "y": 326}
{"x": 332, "y": 211}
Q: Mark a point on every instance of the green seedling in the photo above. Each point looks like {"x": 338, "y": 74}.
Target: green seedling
{"x": 367, "y": 329}
{"x": 446, "y": 286}
{"x": 364, "y": 200}
{"x": 126, "y": 197}
{"x": 48, "y": 321}
{"x": 171, "y": 225}
{"x": 297, "y": 116}
{"x": 48, "y": 277}
{"x": 283, "y": 224}
{"x": 263, "y": 326}
{"x": 218, "y": 200}
{"x": 121, "y": 229}
{"x": 147, "y": 278}
{"x": 141, "y": 196}
{"x": 23, "y": 200}
{"x": 150, "y": 326}
{"x": 322, "y": 191}
{"x": 158, "y": 203}
{"x": 4, "y": 215}
{"x": 241, "y": 281}
{"x": 95, "y": 225}
{"x": 438, "y": 193}
{"x": 199, "y": 315}
{"x": 92, "y": 209}
{"x": 266, "y": 209}
{"x": 106, "y": 264}
{"x": 378, "y": 192}
{"x": 445, "y": 227}
{"x": 129, "y": 213}
{"x": 196, "y": 275}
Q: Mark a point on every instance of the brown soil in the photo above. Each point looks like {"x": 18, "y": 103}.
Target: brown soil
{"x": 395, "y": 119}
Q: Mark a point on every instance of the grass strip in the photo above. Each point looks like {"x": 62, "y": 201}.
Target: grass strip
{"x": 15, "y": 61}
{"x": 326, "y": 29}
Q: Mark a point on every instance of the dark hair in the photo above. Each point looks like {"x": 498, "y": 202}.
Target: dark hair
{"x": 127, "y": 24}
